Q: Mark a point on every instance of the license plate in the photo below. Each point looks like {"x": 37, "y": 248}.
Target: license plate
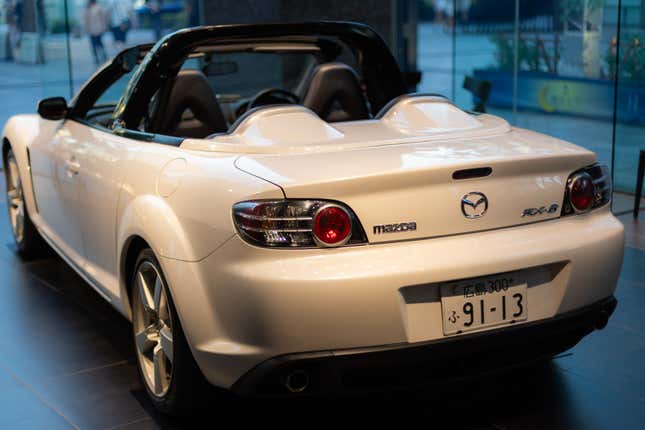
{"x": 483, "y": 302}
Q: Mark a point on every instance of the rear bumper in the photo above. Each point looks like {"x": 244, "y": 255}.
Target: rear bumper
{"x": 243, "y": 305}
{"x": 404, "y": 366}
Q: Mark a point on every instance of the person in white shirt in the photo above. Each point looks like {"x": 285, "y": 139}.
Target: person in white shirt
{"x": 121, "y": 17}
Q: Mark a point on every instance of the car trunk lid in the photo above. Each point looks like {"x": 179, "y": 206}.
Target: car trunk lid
{"x": 437, "y": 185}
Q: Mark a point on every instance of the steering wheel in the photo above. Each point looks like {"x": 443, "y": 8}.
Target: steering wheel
{"x": 273, "y": 96}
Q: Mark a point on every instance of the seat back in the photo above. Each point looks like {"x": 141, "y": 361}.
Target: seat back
{"x": 190, "y": 91}
{"x": 335, "y": 94}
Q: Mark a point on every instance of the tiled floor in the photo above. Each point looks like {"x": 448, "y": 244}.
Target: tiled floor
{"x": 66, "y": 362}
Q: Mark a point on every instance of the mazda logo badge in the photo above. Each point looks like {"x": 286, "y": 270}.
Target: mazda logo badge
{"x": 474, "y": 205}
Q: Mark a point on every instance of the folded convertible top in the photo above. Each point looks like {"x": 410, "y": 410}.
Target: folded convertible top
{"x": 296, "y": 129}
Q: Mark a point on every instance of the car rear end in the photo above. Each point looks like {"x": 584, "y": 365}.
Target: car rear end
{"x": 307, "y": 309}
{"x": 395, "y": 265}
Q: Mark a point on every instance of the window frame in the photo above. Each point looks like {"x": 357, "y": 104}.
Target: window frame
{"x": 100, "y": 82}
{"x": 106, "y": 76}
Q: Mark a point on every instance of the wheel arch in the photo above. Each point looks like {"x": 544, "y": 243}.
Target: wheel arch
{"x": 147, "y": 221}
{"x": 19, "y": 134}
{"x": 131, "y": 250}
{"x": 23, "y": 159}
{"x": 6, "y": 146}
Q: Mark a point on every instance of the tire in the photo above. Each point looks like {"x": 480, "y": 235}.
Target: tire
{"x": 28, "y": 241}
{"x": 182, "y": 389}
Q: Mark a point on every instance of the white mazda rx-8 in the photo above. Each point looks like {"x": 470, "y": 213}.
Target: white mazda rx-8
{"x": 277, "y": 217}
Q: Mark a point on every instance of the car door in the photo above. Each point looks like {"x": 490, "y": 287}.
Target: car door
{"x": 102, "y": 157}
{"x": 55, "y": 172}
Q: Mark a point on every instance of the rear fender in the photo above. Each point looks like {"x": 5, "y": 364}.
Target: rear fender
{"x": 151, "y": 219}
{"x": 183, "y": 213}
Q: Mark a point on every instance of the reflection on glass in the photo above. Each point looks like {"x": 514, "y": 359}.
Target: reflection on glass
{"x": 630, "y": 127}
{"x": 33, "y": 60}
{"x": 552, "y": 66}
{"x": 435, "y": 47}
{"x": 119, "y": 24}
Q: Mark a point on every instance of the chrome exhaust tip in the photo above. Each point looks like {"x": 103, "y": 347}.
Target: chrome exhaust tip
{"x": 297, "y": 381}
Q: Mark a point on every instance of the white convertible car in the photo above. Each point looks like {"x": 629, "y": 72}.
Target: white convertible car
{"x": 277, "y": 217}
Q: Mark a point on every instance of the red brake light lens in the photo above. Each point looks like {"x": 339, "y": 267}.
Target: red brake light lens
{"x": 581, "y": 192}
{"x": 332, "y": 225}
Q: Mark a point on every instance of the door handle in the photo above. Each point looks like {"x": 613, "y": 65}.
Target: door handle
{"x": 72, "y": 167}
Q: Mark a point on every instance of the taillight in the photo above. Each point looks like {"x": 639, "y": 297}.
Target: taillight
{"x": 297, "y": 223}
{"x": 587, "y": 189}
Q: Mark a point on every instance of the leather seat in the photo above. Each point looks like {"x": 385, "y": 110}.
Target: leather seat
{"x": 190, "y": 91}
{"x": 335, "y": 94}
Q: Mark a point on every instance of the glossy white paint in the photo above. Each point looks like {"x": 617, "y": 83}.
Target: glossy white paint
{"x": 120, "y": 185}
{"x": 240, "y": 304}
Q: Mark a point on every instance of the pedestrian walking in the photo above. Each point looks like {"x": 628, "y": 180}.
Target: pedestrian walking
{"x": 154, "y": 8}
{"x": 13, "y": 11}
{"x": 95, "y": 25}
{"x": 121, "y": 18}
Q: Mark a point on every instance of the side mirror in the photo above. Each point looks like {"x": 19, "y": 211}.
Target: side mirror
{"x": 53, "y": 108}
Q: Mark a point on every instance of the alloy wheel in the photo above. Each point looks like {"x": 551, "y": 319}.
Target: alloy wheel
{"x": 15, "y": 199}
{"x": 152, "y": 324}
